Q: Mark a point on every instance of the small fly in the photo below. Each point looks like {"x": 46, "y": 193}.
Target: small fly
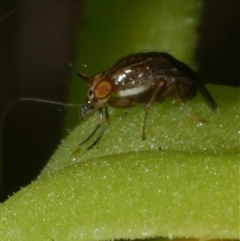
{"x": 143, "y": 78}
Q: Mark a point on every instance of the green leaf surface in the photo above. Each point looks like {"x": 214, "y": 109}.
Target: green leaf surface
{"x": 183, "y": 181}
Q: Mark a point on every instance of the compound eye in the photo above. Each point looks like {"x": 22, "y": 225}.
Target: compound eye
{"x": 103, "y": 89}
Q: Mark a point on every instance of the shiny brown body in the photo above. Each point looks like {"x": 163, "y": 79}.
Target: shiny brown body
{"x": 157, "y": 70}
{"x": 141, "y": 78}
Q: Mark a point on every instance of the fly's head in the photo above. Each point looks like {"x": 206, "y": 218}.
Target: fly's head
{"x": 100, "y": 90}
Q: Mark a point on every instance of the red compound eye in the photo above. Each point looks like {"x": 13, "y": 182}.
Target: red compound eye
{"x": 103, "y": 89}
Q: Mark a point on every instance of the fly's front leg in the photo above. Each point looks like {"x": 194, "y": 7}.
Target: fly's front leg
{"x": 179, "y": 103}
{"x": 201, "y": 121}
{"x": 104, "y": 118}
{"x": 104, "y": 123}
{"x": 100, "y": 112}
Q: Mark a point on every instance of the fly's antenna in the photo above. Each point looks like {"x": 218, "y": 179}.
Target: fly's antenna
{"x": 43, "y": 101}
{"x": 39, "y": 101}
{"x": 32, "y": 100}
{"x": 81, "y": 75}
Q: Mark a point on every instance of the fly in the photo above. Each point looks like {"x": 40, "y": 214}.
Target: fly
{"x": 143, "y": 78}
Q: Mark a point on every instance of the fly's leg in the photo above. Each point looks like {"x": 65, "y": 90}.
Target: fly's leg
{"x": 179, "y": 103}
{"x": 91, "y": 135}
{"x": 144, "y": 123}
{"x": 147, "y": 108}
{"x": 104, "y": 118}
{"x": 192, "y": 116}
{"x": 100, "y": 113}
{"x": 104, "y": 122}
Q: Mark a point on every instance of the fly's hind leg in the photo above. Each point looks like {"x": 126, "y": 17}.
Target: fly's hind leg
{"x": 192, "y": 115}
{"x": 179, "y": 103}
{"x": 148, "y": 106}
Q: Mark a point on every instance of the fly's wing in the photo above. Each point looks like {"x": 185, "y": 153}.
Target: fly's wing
{"x": 136, "y": 70}
{"x": 137, "y": 60}
{"x": 207, "y": 96}
{"x": 134, "y": 67}
{"x": 200, "y": 87}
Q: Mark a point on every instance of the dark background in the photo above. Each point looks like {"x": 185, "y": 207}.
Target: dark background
{"x": 37, "y": 43}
